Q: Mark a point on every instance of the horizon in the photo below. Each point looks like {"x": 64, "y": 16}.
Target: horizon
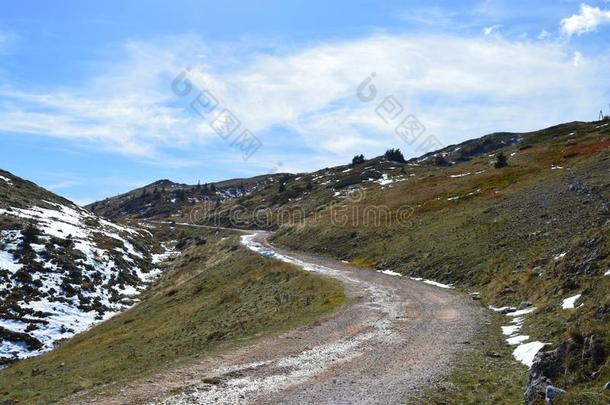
{"x": 97, "y": 114}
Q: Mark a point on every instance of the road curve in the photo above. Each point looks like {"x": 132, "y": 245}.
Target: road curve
{"x": 395, "y": 337}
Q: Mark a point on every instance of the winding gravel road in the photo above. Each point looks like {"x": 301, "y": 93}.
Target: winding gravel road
{"x": 395, "y": 337}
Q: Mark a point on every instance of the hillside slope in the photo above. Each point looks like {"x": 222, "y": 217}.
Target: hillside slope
{"x": 163, "y": 198}
{"x": 532, "y": 235}
{"x": 213, "y": 297}
{"x": 62, "y": 268}
{"x": 530, "y": 239}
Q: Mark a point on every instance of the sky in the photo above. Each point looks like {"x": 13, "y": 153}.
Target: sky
{"x": 98, "y": 98}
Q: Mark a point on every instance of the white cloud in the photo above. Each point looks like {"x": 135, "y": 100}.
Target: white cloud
{"x": 578, "y": 58}
{"x": 587, "y": 20}
{"x": 459, "y": 87}
{"x": 487, "y": 31}
{"x": 544, "y": 34}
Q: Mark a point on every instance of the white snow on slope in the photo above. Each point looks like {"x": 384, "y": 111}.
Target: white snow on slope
{"x": 515, "y": 340}
{"x": 6, "y": 179}
{"x": 384, "y": 180}
{"x": 570, "y": 302}
{"x": 390, "y": 273}
{"x": 101, "y": 287}
{"x": 607, "y": 273}
{"x": 514, "y": 328}
{"x": 526, "y": 352}
{"x": 432, "y": 282}
{"x": 521, "y": 312}
{"x": 502, "y": 309}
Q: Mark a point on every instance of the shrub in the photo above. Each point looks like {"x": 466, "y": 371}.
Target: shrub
{"x": 30, "y": 234}
{"x": 501, "y": 161}
{"x": 358, "y": 160}
{"x": 395, "y": 155}
{"x": 441, "y": 161}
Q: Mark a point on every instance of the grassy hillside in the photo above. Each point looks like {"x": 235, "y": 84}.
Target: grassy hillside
{"x": 537, "y": 231}
{"x": 214, "y": 296}
{"x": 528, "y": 235}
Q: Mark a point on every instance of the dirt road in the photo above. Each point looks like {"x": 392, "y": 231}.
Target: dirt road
{"x": 395, "y": 337}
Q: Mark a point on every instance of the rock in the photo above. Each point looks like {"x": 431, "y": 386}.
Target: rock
{"x": 546, "y": 365}
{"x": 493, "y": 354}
{"x": 536, "y": 390}
{"x": 552, "y": 393}
{"x": 475, "y": 296}
{"x": 211, "y": 380}
{"x": 507, "y": 290}
{"x": 607, "y": 386}
{"x": 524, "y": 304}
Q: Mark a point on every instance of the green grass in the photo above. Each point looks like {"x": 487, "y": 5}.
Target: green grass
{"x": 217, "y": 295}
{"x": 502, "y": 242}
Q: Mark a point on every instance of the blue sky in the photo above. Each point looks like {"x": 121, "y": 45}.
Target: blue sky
{"x": 87, "y": 107}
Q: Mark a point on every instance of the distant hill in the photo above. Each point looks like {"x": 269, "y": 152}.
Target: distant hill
{"x": 164, "y": 198}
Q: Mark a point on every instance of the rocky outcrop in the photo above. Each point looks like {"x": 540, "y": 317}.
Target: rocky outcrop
{"x": 580, "y": 357}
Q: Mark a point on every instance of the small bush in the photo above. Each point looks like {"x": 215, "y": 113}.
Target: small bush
{"x": 395, "y": 155}
{"x": 358, "y": 160}
{"x": 501, "y": 161}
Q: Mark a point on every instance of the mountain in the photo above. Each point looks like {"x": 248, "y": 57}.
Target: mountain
{"x": 62, "y": 268}
{"x": 163, "y": 198}
{"x": 529, "y": 237}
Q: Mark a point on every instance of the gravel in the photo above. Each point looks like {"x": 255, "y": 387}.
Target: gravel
{"x": 395, "y": 337}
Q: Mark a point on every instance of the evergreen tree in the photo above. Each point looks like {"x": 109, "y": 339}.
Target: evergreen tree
{"x": 501, "y": 161}
{"x": 30, "y": 234}
{"x": 441, "y": 161}
{"x": 358, "y": 160}
{"x": 395, "y": 155}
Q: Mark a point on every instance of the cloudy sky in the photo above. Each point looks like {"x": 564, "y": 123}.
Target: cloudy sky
{"x": 98, "y": 98}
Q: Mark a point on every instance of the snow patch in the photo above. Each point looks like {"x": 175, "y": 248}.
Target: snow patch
{"x": 6, "y": 179}
{"x": 521, "y": 312}
{"x": 515, "y": 340}
{"x": 390, "y": 273}
{"x": 384, "y": 180}
{"x": 570, "y": 302}
{"x": 526, "y": 352}
{"x": 432, "y": 282}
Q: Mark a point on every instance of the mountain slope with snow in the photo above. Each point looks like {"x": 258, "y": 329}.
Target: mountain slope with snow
{"x": 62, "y": 269}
